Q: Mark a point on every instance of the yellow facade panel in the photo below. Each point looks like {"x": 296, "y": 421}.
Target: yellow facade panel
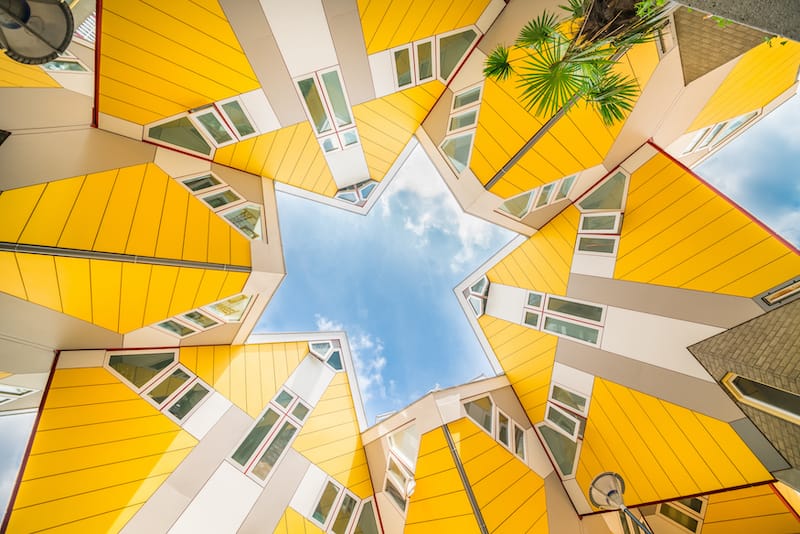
{"x": 40, "y": 279}
{"x": 242, "y": 152}
{"x": 133, "y": 295}
{"x": 74, "y": 281}
{"x": 47, "y": 220}
{"x": 293, "y": 523}
{"x": 575, "y": 144}
{"x": 149, "y": 208}
{"x": 15, "y": 74}
{"x": 106, "y": 279}
{"x": 16, "y": 207}
{"x": 159, "y": 293}
{"x": 10, "y": 278}
{"x": 81, "y": 228}
{"x": 209, "y": 287}
{"x": 91, "y": 414}
{"x": 195, "y": 240}
{"x": 171, "y": 231}
{"x": 116, "y": 224}
{"x": 756, "y": 509}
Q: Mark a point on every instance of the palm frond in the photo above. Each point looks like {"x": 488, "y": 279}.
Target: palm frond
{"x": 538, "y": 32}
{"x": 575, "y": 8}
{"x": 497, "y": 65}
{"x": 547, "y": 81}
{"x": 612, "y": 95}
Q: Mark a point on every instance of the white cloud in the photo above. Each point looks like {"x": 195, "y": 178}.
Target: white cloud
{"x": 368, "y": 357}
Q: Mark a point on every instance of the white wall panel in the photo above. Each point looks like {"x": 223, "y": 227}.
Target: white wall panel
{"x": 200, "y": 422}
{"x": 261, "y": 111}
{"x": 310, "y": 379}
{"x": 348, "y": 166}
{"x": 380, "y": 65}
{"x": 506, "y": 302}
{"x": 305, "y": 498}
{"x": 593, "y": 265}
{"x": 572, "y": 378}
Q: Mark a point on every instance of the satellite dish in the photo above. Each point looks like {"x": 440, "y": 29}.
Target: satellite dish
{"x": 35, "y": 31}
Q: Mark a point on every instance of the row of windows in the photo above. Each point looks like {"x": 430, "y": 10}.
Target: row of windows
{"x": 561, "y": 432}
{"x": 521, "y": 205}
{"x": 229, "y": 310}
{"x": 328, "y": 109}
{"x": 9, "y": 393}
{"x": 401, "y": 464}
{"x": 477, "y": 294}
{"x": 357, "y": 194}
{"x": 226, "y": 202}
{"x": 497, "y": 424}
{"x": 436, "y": 57}
{"x": 159, "y": 379}
{"x": 66, "y": 62}
{"x": 601, "y": 217}
{"x": 339, "y": 511}
{"x": 457, "y": 144}
{"x": 687, "y": 514}
{"x": 565, "y": 317}
{"x": 710, "y": 137}
{"x": 328, "y": 352}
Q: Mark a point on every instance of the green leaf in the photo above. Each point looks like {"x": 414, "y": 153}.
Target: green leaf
{"x": 538, "y": 32}
{"x": 497, "y": 65}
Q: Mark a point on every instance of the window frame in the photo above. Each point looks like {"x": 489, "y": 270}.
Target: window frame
{"x": 583, "y": 413}
{"x": 492, "y": 431}
{"x": 576, "y": 323}
{"x": 683, "y": 510}
{"x": 174, "y": 319}
{"x": 233, "y": 206}
{"x": 67, "y": 57}
{"x": 6, "y": 397}
{"x": 558, "y": 196}
{"x": 157, "y": 377}
{"x": 327, "y": 104}
{"x": 405, "y": 487}
{"x": 212, "y": 109}
{"x": 615, "y": 230}
{"x": 195, "y": 325}
{"x": 575, "y": 435}
{"x": 514, "y": 442}
{"x": 532, "y": 194}
{"x": 600, "y": 322}
{"x": 147, "y": 137}
{"x": 409, "y": 47}
{"x": 604, "y": 237}
{"x": 226, "y": 117}
{"x": 145, "y": 394}
{"x": 248, "y": 306}
{"x": 578, "y": 445}
{"x": 477, "y": 102}
{"x": 451, "y": 136}
{"x": 591, "y": 190}
{"x": 191, "y": 383}
{"x": 434, "y": 62}
{"x": 183, "y": 179}
{"x": 459, "y": 113}
{"x": 728, "y": 382}
{"x": 438, "y": 39}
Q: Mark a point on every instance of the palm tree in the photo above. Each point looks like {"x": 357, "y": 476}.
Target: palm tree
{"x": 566, "y": 60}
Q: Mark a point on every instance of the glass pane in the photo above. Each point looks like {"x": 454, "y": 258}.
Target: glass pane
{"x": 238, "y": 118}
{"x": 246, "y": 219}
{"x": 200, "y": 319}
{"x": 535, "y": 300}
{"x": 585, "y": 311}
{"x": 300, "y": 411}
{"x": 168, "y": 386}
{"x": 693, "y": 503}
{"x": 333, "y": 86}
{"x": 64, "y": 65}
{"x": 201, "y": 182}
{"x": 518, "y": 206}
{"x": 561, "y": 420}
{"x": 395, "y": 494}
{"x": 584, "y": 333}
{"x": 502, "y": 429}
{"x": 608, "y": 196}
{"x": 596, "y": 244}
{"x": 452, "y": 49}
{"x": 349, "y": 138}
{"x": 480, "y": 411}
{"x": 220, "y": 199}
{"x": 544, "y": 196}
{"x": 734, "y": 125}
{"x": 335, "y": 360}
{"x": 321, "y": 347}
{"x": 782, "y": 293}
{"x": 343, "y": 517}
{"x": 561, "y": 447}
{"x": 176, "y": 328}
{"x": 457, "y": 150}
{"x": 599, "y": 222}
{"x": 181, "y": 133}
{"x": 255, "y": 437}
{"x": 325, "y": 503}
{"x": 402, "y": 66}
{"x": 349, "y": 196}
{"x": 679, "y": 517}
{"x": 367, "y": 189}
{"x": 477, "y": 304}
{"x": 519, "y": 442}
{"x": 138, "y": 369}
{"x": 274, "y": 451}
{"x": 366, "y": 521}
{"x": 567, "y": 398}
{"x": 566, "y": 185}
{"x": 425, "y": 60}
{"x": 463, "y": 120}
{"x": 531, "y": 319}
{"x": 466, "y": 98}
{"x": 284, "y": 398}
{"x": 319, "y": 116}
{"x": 710, "y": 137}
{"x": 14, "y": 391}
{"x": 406, "y": 443}
{"x": 329, "y": 144}
{"x": 189, "y": 400}
{"x": 214, "y": 127}
{"x": 778, "y": 398}
{"x": 231, "y": 309}
{"x": 481, "y": 286}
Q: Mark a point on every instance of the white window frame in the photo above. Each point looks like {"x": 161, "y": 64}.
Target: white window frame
{"x": 216, "y": 191}
{"x": 418, "y": 79}
{"x": 510, "y": 423}
{"x": 614, "y": 250}
{"x": 685, "y": 511}
{"x": 156, "y": 378}
{"x": 526, "y": 310}
{"x": 514, "y": 442}
{"x": 463, "y": 111}
{"x": 556, "y": 197}
{"x": 601, "y": 322}
{"x": 191, "y": 383}
{"x": 145, "y": 394}
{"x": 233, "y": 206}
{"x": 550, "y": 195}
{"x": 569, "y": 415}
{"x": 174, "y": 319}
{"x": 406, "y": 487}
{"x": 491, "y": 432}
{"x": 229, "y": 122}
{"x": 202, "y": 129}
{"x": 776, "y": 411}
{"x": 438, "y": 38}
{"x": 411, "y": 62}
{"x": 195, "y": 325}
{"x": 369, "y": 501}
{"x": 577, "y": 323}
{"x": 159, "y": 142}
{"x": 328, "y": 105}
{"x": 583, "y": 413}
{"x": 532, "y": 194}
{"x": 469, "y": 89}
{"x": 183, "y": 179}
{"x": 207, "y": 308}
{"x": 470, "y": 132}
{"x": 597, "y": 186}
{"x": 409, "y": 463}
{"x": 615, "y": 230}
{"x": 6, "y": 396}
{"x": 337, "y": 502}
{"x": 578, "y": 446}
{"x": 67, "y": 57}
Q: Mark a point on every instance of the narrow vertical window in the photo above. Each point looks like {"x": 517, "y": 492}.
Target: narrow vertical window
{"x": 402, "y": 67}
{"x": 314, "y": 105}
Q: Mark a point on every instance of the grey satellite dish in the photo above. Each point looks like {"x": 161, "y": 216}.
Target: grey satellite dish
{"x": 35, "y": 31}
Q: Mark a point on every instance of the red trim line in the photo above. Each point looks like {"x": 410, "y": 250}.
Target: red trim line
{"x": 725, "y": 197}
{"x": 25, "y": 456}
{"x": 98, "y": 25}
{"x": 785, "y": 502}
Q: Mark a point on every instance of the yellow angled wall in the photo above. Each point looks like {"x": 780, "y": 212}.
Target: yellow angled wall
{"x": 749, "y": 510}
{"x": 527, "y": 357}
{"x": 542, "y": 263}
{"x": 386, "y": 125}
{"x": 189, "y": 52}
{"x": 291, "y": 155}
{"x": 293, "y": 523}
{"x": 99, "y": 452}
{"x": 13, "y": 74}
{"x": 663, "y": 451}
{"x": 390, "y": 23}
{"x": 247, "y": 375}
{"x": 439, "y": 503}
{"x": 759, "y": 77}
{"x": 679, "y": 232}
{"x": 510, "y": 495}
{"x": 331, "y": 438}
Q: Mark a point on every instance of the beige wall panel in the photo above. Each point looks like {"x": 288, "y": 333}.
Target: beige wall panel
{"x": 517, "y": 12}
{"x": 258, "y": 43}
{"x": 435, "y": 124}
{"x": 348, "y": 40}
{"x": 35, "y": 108}
{"x": 561, "y": 515}
{"x": 48, "y": 156}
{"x": 714, "y": 309}
{"x": 692, "y": 393}
{"x": 17, "y": 356}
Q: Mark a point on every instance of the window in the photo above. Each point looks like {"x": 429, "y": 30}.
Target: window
{"x": 601, "y": 223}
{"x": 190, "y": 400}
{"x": 685, "y": 517}
{"x": 338, "y": 511}
{"x": 532, "y": 311}
{"x": 399, "y": 483}
{"x": 405, "y": 443}
{"x": 786, "y": 292}
{"x": 188, "y": 323}
{"x": 598, "y": 245}
{"x": 775, "y": 401}
{"x": 246, "y": 218}
{"x": 453, "y": 48}
{"x": 565, "y": 317}
{"x": 458, "y": 149}
{"x": 582, "y": 310}
{"x": 175, "y": 327}
{"x": 181, "y": 133}
{"x": 328, "y": 109}
{"x": 167, "y": 387}
{"x": 718, "y": 133}
{"x": 425, "y": 60}
{"x": 503, "y": 429}
{"x": 367, "y": 523}
{"x": 519, "y": 206}
{"x": 139, "y": 368}
{"x": 329, "y": 352}
{"x": 565, "y": 186}
{"x": 480, "y": 411}
{"x": 562, "y": 450}
{"x": 271, "y": 435}
{"x": 466, "y": 98}
{"x": 237, "y": 115}
{"x": 357, "y": 194}
{"x": 230, "y": 310}
{"x": 463, "y": 120}
{"x": 9, "y": 393}
{"x": 519, "y": 442}
{"x": 569, "y": 399}
{"x": 572, "y": 330}
{"x": 562, "y": 421}
{"x": 65, "y": 64}
{"x": 497, "y": 424}
{"x": 544, "y": 195}
{"x": 199, "y": 319}
{"x": 563, "y": 426}
{"x": 477, "y": 294}
{"x": 457, "y": 146}
{"x": 402, "y": 67}
{"x": 209, "y": 121}
{"x": 610, "y": 195}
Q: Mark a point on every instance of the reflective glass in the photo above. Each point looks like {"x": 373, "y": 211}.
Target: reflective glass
{"x": 168, "y": 386}
{"x": 63, "y": 65}
{"x": 395, "y": 494}
{"x": 457, "y": 150}
{"x": 220, "y": 199}
{"x": 366, "y": 190}
{"x": 335, "y": 360}
{"x": 608, "y": 196}
{"x": 561, "y": 447}
{"x": 477, "y": 304}
{"x": 366, "y": 521}
{"x": 481, "y": 286}
{"x": 466, "y": 98}
{"x": 679, "y": 517}
{"x": 519, "y": 442}
{"x": 778, "y": 398}
{"x": 531, "y": 319}
{"x": 502, "y": 429}
{"x": 325, "y": 503}
{"x": 255, "y": 437}
{"x": 181, "y": 133}
{"x": 544, "y": 196}
{"x": 270, "y": 457}
{"x": 535, "y": 300}
{"x": 596, "y": 244}
{"x": 518, "y": 206}
{"x": 425, "y": 60}
{"x": 710, "y": 137}
{"x": 319, "y": 116}
{"x": 176, "y": 328}
{"x": 693, "y": 503}
{"x": 402, "y": 67}
{"x": 558, "y": 418}
{"x": 480, "y": 411}
{"x": 201, "y": 182}
{"x": 189, "y": 400}
{"x": 201, "y": 320}
{"x": 406, "y": 443}
{"x": 567, "y": 398}
{"x": 599, "y": 222}
{"x": 329, "y": 144}
{"x": 321, "y": 347}
{"x": 349, "y": 138}
{"x": 344, "y": 515}
{"x": 284, "y": 398}
{"x": 300, "y": 411}
{"x": 734, "y": 125}
{"x": 138, "y": 369}
{"x": 238, "y": 118}
{"x": 576, "y": 331}
{"x": 247, "y": 219}
{"x": 349, "y": 196}
{"x": 231, "y": 309}
{"x": 333, "y": 86}
{"x": 214, "y": 127}
{"x": 14, "y": 391}
{"x": 563, "y": 190}
{"x": 463, "y": 120}
{"x": 577, "y": 309}
{"x": 452, "y": 50}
